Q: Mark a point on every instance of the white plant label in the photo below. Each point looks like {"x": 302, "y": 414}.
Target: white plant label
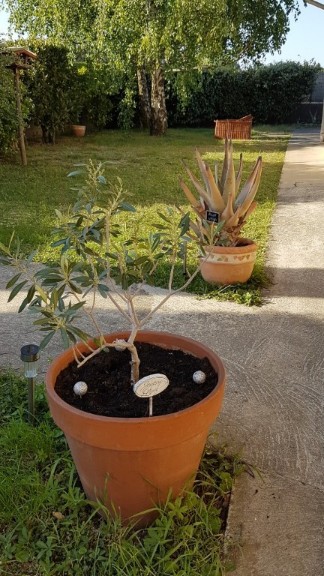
{"x": 151, "y": 385}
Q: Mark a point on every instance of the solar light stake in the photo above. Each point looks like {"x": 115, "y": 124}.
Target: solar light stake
{"x": 29, "y": 354}
{"x": 184, "y": 261}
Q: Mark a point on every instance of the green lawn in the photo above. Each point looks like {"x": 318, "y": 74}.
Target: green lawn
{"x": 150, "y": 169}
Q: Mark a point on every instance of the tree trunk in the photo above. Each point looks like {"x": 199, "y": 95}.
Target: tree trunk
{"x": 322, "y": 125}
{"x": 144, "y": 99}
{"x": 48, "y": 134}
{"x": 159, "y": 118}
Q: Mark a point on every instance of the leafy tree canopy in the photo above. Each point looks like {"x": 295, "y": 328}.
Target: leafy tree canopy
{"x": 171, "y": 32}
{"x": 146, "y": 39}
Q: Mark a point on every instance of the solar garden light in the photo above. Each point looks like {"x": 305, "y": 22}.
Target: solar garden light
{"x": 29, "y": 354}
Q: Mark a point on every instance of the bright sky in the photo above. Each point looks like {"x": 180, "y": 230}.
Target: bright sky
{"x": 3, "y": 22}
{"x": 304, "y": 41}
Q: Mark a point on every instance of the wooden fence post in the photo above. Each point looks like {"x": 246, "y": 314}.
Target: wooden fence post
{"x": 20, "y": 117}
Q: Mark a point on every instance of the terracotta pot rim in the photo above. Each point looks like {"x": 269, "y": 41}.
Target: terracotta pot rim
{"x": 50, "y": 389}
{"x": 244, "y": 244}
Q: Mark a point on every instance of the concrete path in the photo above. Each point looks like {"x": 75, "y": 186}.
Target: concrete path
{"x": 273, "y": 409}
{"x": 279, "y": 421}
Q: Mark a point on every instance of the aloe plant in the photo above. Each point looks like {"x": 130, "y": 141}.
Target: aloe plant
{"x": 222, "y": 208}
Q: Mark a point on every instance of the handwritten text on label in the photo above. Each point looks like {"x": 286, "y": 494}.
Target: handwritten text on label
{"x": 151, "y": 385}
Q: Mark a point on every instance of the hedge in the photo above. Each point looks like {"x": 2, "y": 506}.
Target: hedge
{"x": 270, "y": 93}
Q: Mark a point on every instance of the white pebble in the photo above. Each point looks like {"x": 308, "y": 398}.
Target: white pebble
{"x": 199, "y": 377}
{"x": 80, "y": 388}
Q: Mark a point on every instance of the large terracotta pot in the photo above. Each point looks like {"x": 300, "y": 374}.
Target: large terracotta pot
{"x": 78, "y": 130}
{"x": 229, "y": 264}
{"x": 131, "y": 464}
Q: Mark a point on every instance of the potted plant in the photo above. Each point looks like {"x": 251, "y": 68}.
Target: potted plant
{"x": 78, "y": 130}
{"x": 221, "y": 211}
{"x": 79, "y": 93}
{"x": 136, "y": 428}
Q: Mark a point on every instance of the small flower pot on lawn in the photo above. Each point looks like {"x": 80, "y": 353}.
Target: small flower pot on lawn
{"x": 78, "y": 130}
{"x": 229, "y": 264}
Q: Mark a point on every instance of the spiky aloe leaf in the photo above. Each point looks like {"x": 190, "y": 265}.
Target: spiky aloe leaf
{"x": 216, "y": 176}
{"x": 229, "y": 211}
{"x": 225, "y": 165}
{"x": 250, "y": 190}
{"x": 214, "y": 190}
{"x": 192, "y": 199}
{"x": 237, "y": 218}
{"x": 202, "y": 193}
{"x": 201, "y": 166}
{"x": 229, "y": 183}
{"x": 250, "y": 210}
{"x": 196, "y": 204}
{"x": 249, "y": 184}
{"x": 250, "y": 197}
{"x": 233, "y": 221}
{"x": 239, "y": 175}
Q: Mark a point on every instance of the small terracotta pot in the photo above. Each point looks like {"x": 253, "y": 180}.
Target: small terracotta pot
{"x": 78, "y": 130}
{"x": 131, "y": 464}
{"x": 229, "y": 264}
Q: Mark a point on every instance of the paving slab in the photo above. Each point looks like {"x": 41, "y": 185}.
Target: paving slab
{"x": 261, "y": 544}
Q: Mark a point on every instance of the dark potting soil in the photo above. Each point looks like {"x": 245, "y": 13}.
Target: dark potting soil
{"x": 110, "y": 392}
